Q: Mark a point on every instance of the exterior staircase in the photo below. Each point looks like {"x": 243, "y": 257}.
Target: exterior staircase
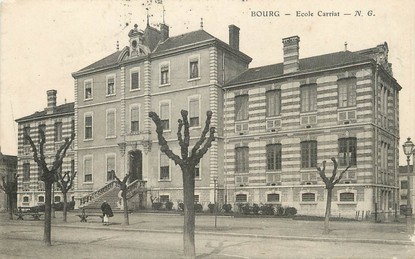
{"x": 111, "y": 193}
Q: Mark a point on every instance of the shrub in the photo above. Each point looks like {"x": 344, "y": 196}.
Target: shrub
{"x": 156, "y": 205}
{"x": 198, "y": 207}
{"x": 227, "y": 207}
{"x": 211, "y": 207}
{"x": 71, "y": 205}
{"x": 246, "y": 209}
{"x": 181, "y": 206}
{"x": 267, "y": 209}
{"x": 280, "y": 211}
{"x": 290, "y": 211}
{"x": 58, "y": 206}
{"x": 255, "y": 209}
{"x": 169, "y": 205}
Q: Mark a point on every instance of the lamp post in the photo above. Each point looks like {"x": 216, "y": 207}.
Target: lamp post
{"x": 408, "y": 148}
{"x": 215, "y": 180}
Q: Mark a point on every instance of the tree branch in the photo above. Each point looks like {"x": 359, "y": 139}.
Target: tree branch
{"x": 335, "y": 165}
{"x": 198, "y": 155}
{"x": 204, "y": 132}
{"x": 164, "y": 147}
{"x": 341, "y": 175}
{"x": 322, "y": 173}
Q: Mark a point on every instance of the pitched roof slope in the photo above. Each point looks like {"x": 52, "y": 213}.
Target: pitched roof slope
{"x": 306, "y": 65}
{"x": 107, "y": 61}
{"x": 60, "y": 109}
{"x": 184, "y": 39}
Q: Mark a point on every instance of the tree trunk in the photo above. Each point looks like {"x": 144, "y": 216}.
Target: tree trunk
{"x": 328, "y": 211}
{"x": 65, "y": 206}
{"x": 124, "y": 201}
{"x": 10, "y": 204}
{"x": 189, "y": 214}
{"x": 48, "y": 213}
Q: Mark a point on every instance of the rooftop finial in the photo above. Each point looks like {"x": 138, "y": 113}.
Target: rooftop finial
{"x": 164, "y": 11}
{"x": 201, "y": 23}
{"x": 345, "y": 46}
{"x": 118, "y": 45}
{"x": 148, "y": 17}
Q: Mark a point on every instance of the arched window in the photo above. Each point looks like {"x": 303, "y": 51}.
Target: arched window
{"x": 241, "y": 198}
{"x": 308, "y": 197}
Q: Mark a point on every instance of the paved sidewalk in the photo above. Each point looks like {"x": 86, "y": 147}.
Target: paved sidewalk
{"x": 283, "y": 228}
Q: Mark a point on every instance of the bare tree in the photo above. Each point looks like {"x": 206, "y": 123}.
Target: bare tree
{"x": 124, "y": 190}
{"x": 10, "y": 188}
{"x": 187, "y": 163}
{"x": 49, "y": 176}
{"x": 65, "y": 183}
{"x": 330, "y": 183}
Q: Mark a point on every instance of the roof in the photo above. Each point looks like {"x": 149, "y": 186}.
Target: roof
{"x": 184, "y": 39}
{"x": 169, "y": 44}
{"x": 306, "y": 65}
{"x": 60, "y": 109}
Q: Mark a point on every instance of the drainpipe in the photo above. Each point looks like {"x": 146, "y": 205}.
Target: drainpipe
{"x": 375, "y": 112}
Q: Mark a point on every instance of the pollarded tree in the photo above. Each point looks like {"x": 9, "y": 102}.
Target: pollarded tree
{"x": 65, "y": 183}
{"x": 124, "y": 190}
{"x": 10, "y": 188}
{"x": 49, "y": 175}
{"x": 187, "y": 163}
{"x": 330, "y": 183}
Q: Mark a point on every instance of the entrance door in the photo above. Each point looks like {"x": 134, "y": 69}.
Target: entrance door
{"x": 136, "y": 165}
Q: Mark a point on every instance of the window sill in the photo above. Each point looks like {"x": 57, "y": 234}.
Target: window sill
{"x": 195, "y": 128}
{"x": 164, "y": 85}
{"x": 164, "y": 180}
{"x": 348, "y": 108}
{"x": 346, "y": 203}
{"x": 276, "y": 171}
{"x": 110, "y": 137}
{"x": 198, "y": 179}
{"x": 309, "y": 169}
{"x": 110, "y": 95}
{"x": 88, "y": 140}
{"x": 308, "y": 203}
{"x": 193, "y": 79}
{"x": 89, "y": 99}
{"x": 88, "y": 183}
{"x": 167, "y": 131}
{"x": 271, "y": 117}
{"x": 135, "y": 90}
{"x": 308, "y": 113}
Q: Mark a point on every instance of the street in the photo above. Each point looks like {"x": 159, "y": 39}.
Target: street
{"x": 25, "y": 241}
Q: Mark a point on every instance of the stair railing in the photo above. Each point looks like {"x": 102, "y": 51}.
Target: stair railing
{"x": 135, "y": 187}
{"x": 92, "y": 196}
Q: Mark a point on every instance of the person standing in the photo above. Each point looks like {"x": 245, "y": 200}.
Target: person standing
{"x": 106, "y": 212}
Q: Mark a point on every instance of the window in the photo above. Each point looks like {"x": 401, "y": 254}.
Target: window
{"x": 347, "y": 92}
{"x": 88, "y": 126}
{"x": 135, "y": 118}
{"x": 42, "y": 127}
{"x": 241, "y": 159}
{"x": 194, "y": 68}
{"x": 57, "y": 198}
{"x": 164, "y": 74}
{"x": 273, "y": 157}
{"x": 110, "y": 127}
{"x": 88, "y": 89}
{"x": 88, "y": 169}
{"x": 404, "y": 185}
{"x": 26, "y": 172}
{"x": 241, "y": 198}
{"x": 347, "y": 196}
{"x": 197, "y": 199}
{"x": 135, "y": 79}
{"x": 26, "y": 130}
{"x": 273, "y": 197}
{"x": 194, "y": 112}
{"x": 165, "y": 115}
{"x": 308, "y": 197}
{"x": 347, "y": 151}
{"x": 308, "y": 154}
{"x": 58, "y": 131}
{"x": 25, "y": 199}
{"x": 241, "y": 107}
{"x": 41, "y": 199}
{"x": 164, "y": 167}
{"x": 111, "y": 85}
{"x": 197, "y": 171}
{"x": 164, "y": 198}
{"x": 273, "y": 100}
{"x": 110, "y": 167}
{"x": 308, "y": 98}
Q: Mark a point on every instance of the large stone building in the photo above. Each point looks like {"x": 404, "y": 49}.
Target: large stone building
{"x": 156, "y": 72}
{"x": 8, "y": 171}
{"x": 283, "y": 120}
{"x": 57, "y": 121}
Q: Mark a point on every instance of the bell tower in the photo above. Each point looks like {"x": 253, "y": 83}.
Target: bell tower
{"x": 136, "y": 42}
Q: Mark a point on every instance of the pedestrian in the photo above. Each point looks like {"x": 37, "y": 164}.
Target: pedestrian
{"x": 106, "y": 212}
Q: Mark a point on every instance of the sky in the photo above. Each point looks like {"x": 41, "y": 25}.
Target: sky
{"x": 43, "y": 42}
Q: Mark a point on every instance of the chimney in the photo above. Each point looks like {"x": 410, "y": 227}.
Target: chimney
{"x": 164, "y": 29}
{"x": 234, "y": 36}
{"x": 291, "y": 54}
{"x": 51, "y": 101}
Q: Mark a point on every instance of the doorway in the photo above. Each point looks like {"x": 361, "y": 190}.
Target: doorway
{"x": 136, "y": 165}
